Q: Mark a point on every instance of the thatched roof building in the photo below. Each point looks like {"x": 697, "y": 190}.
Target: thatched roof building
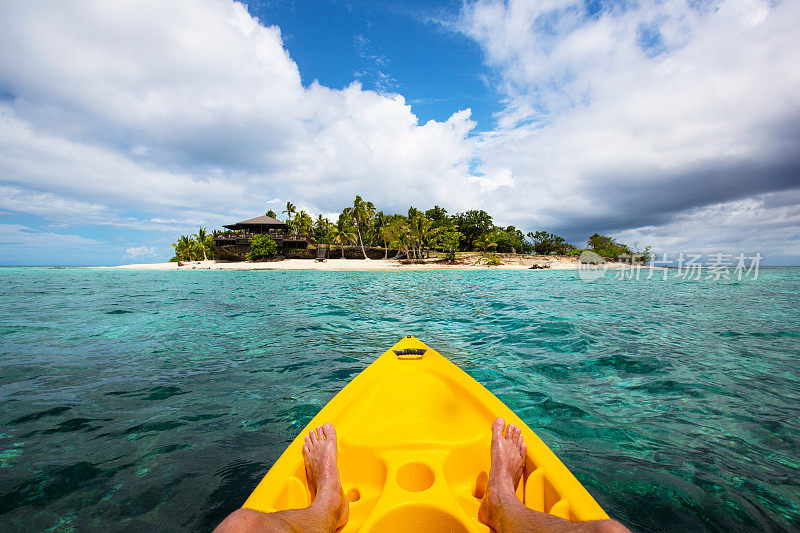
{"x": 262, "y": 224}
{"x": 235, "y": 243}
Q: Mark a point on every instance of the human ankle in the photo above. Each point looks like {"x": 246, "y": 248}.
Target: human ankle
{"x": 497, "y": 500}
{"x": 328, "y": 494}
{"x": 502, "y": 486}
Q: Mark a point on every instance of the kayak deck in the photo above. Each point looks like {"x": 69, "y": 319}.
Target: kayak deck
{"x": 414, "y": 433}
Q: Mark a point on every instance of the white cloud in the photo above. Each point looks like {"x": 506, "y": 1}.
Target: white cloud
{"x": 103, "y": 176}
{"x": 194, "y": 109}
{"x": 19, "y": 235}
{"x": 604, "y": 128}
{"x": 501, "y": 178}
{"x": 56, "y": 208}
{"x": 141, "y": 251}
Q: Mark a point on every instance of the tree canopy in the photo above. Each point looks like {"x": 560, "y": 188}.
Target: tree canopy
{"x": 473, "y": 225}
{"x": 549, "y": 243}
{"x": 607, "y": 247}
{"x": 261, "y": 247}
{"x": 194, "y": 247}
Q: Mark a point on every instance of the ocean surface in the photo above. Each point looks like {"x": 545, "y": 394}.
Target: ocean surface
{"x": 155, "y": 401}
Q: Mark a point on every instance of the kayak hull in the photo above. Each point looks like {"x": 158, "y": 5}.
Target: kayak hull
{"x": 414, "y": 433}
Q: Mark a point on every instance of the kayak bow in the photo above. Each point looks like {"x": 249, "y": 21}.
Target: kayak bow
{"x": 414, "y": 433}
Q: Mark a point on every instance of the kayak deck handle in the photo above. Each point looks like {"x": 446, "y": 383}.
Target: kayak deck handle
{"x": 410, "y": 353}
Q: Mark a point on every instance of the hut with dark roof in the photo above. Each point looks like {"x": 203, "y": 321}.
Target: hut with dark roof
{"x": 260, "y": 225}
{"x": 235, "y": 243}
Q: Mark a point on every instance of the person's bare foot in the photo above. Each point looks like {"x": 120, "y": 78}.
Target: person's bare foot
{"x": 508, "y": 462}
{"x": 319, "y": 456}
{"x": 500, "y": 508}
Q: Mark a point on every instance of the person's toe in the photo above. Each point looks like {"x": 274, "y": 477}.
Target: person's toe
{"x": 329, "y": 432}
{"x": 510, "y": 432}
{"x": 320, "y": 436}
{"x": 313, "y": 436}
{"x": 517, "y": 435}
{"x": 306, "y": 449}
{"x": 497, "y": 428}
{"x": 523, "y": 450}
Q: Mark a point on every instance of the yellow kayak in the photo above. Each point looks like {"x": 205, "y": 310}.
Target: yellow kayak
{"x": 414, "y": 433}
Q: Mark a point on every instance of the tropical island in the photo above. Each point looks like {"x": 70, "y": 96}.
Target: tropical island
{"x": 430, "y": 238}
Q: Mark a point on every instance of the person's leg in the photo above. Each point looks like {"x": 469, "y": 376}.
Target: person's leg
{"x": 500, "y": 508}
{"x": 329, "y": 508}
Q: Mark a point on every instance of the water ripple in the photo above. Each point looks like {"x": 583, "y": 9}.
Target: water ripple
{"x": 157, "y": 400}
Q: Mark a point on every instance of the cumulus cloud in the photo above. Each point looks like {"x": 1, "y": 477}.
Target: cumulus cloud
{"x": 195, "y": 109}
{"x": 502, "y": 178}
{"x": 641, "y": 115}
{"x": 141, "y": 251}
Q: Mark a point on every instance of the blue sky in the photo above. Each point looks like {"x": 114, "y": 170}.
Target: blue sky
{"x": 669, "y": 123}
{"x": 399, "y": 48}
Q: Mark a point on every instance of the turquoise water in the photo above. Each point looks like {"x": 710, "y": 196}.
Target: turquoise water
{"x": 136, "y": 400}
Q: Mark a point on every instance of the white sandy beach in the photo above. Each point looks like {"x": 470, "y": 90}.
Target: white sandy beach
{"x": 510, "y": 262}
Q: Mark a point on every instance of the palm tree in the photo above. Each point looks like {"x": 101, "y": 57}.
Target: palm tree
{"x": 333, "y": 235}
{"x": 176, "y": 247}
{"x": 211, "y": 246}
{"x": 202, "y": 241}
{"x": 322, "y": 227}
{"x": 422, "y": 230}
{"x": 290, "y": 210}
{"x": 485, "y": 242}
{"x": 343, "y": 238}
{"x": 380, "y": 228}
{"x": 184, "y": 248}
{"x": 403, "y": 239}
{"x": 342, "y": 232}
{"x": 303, "y": 223}
{"x": 396, "y": 232}
{"x": 361, "y": 213}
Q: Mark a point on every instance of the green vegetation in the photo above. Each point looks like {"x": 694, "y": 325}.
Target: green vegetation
{"x": 413, "y": 234}
{"x": 290, "y": 210}
{"x": 485, "y": 242}
{"x": 302, "y": 224}
{"x": 474, "y": 226}
{"x": 602, "y": 245}
{"x": 360, "y": 215}
{"x": 342, "y": 233}
{"x": 548, "y": 243}
{"x": 262, "y": 247}
{"x": 607, "y": 247}
{"x": 195, "y": 247}
{"x": 449, "y": 242}
{"x": 511, "y": 241}
{"x": 491, "y": 259}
